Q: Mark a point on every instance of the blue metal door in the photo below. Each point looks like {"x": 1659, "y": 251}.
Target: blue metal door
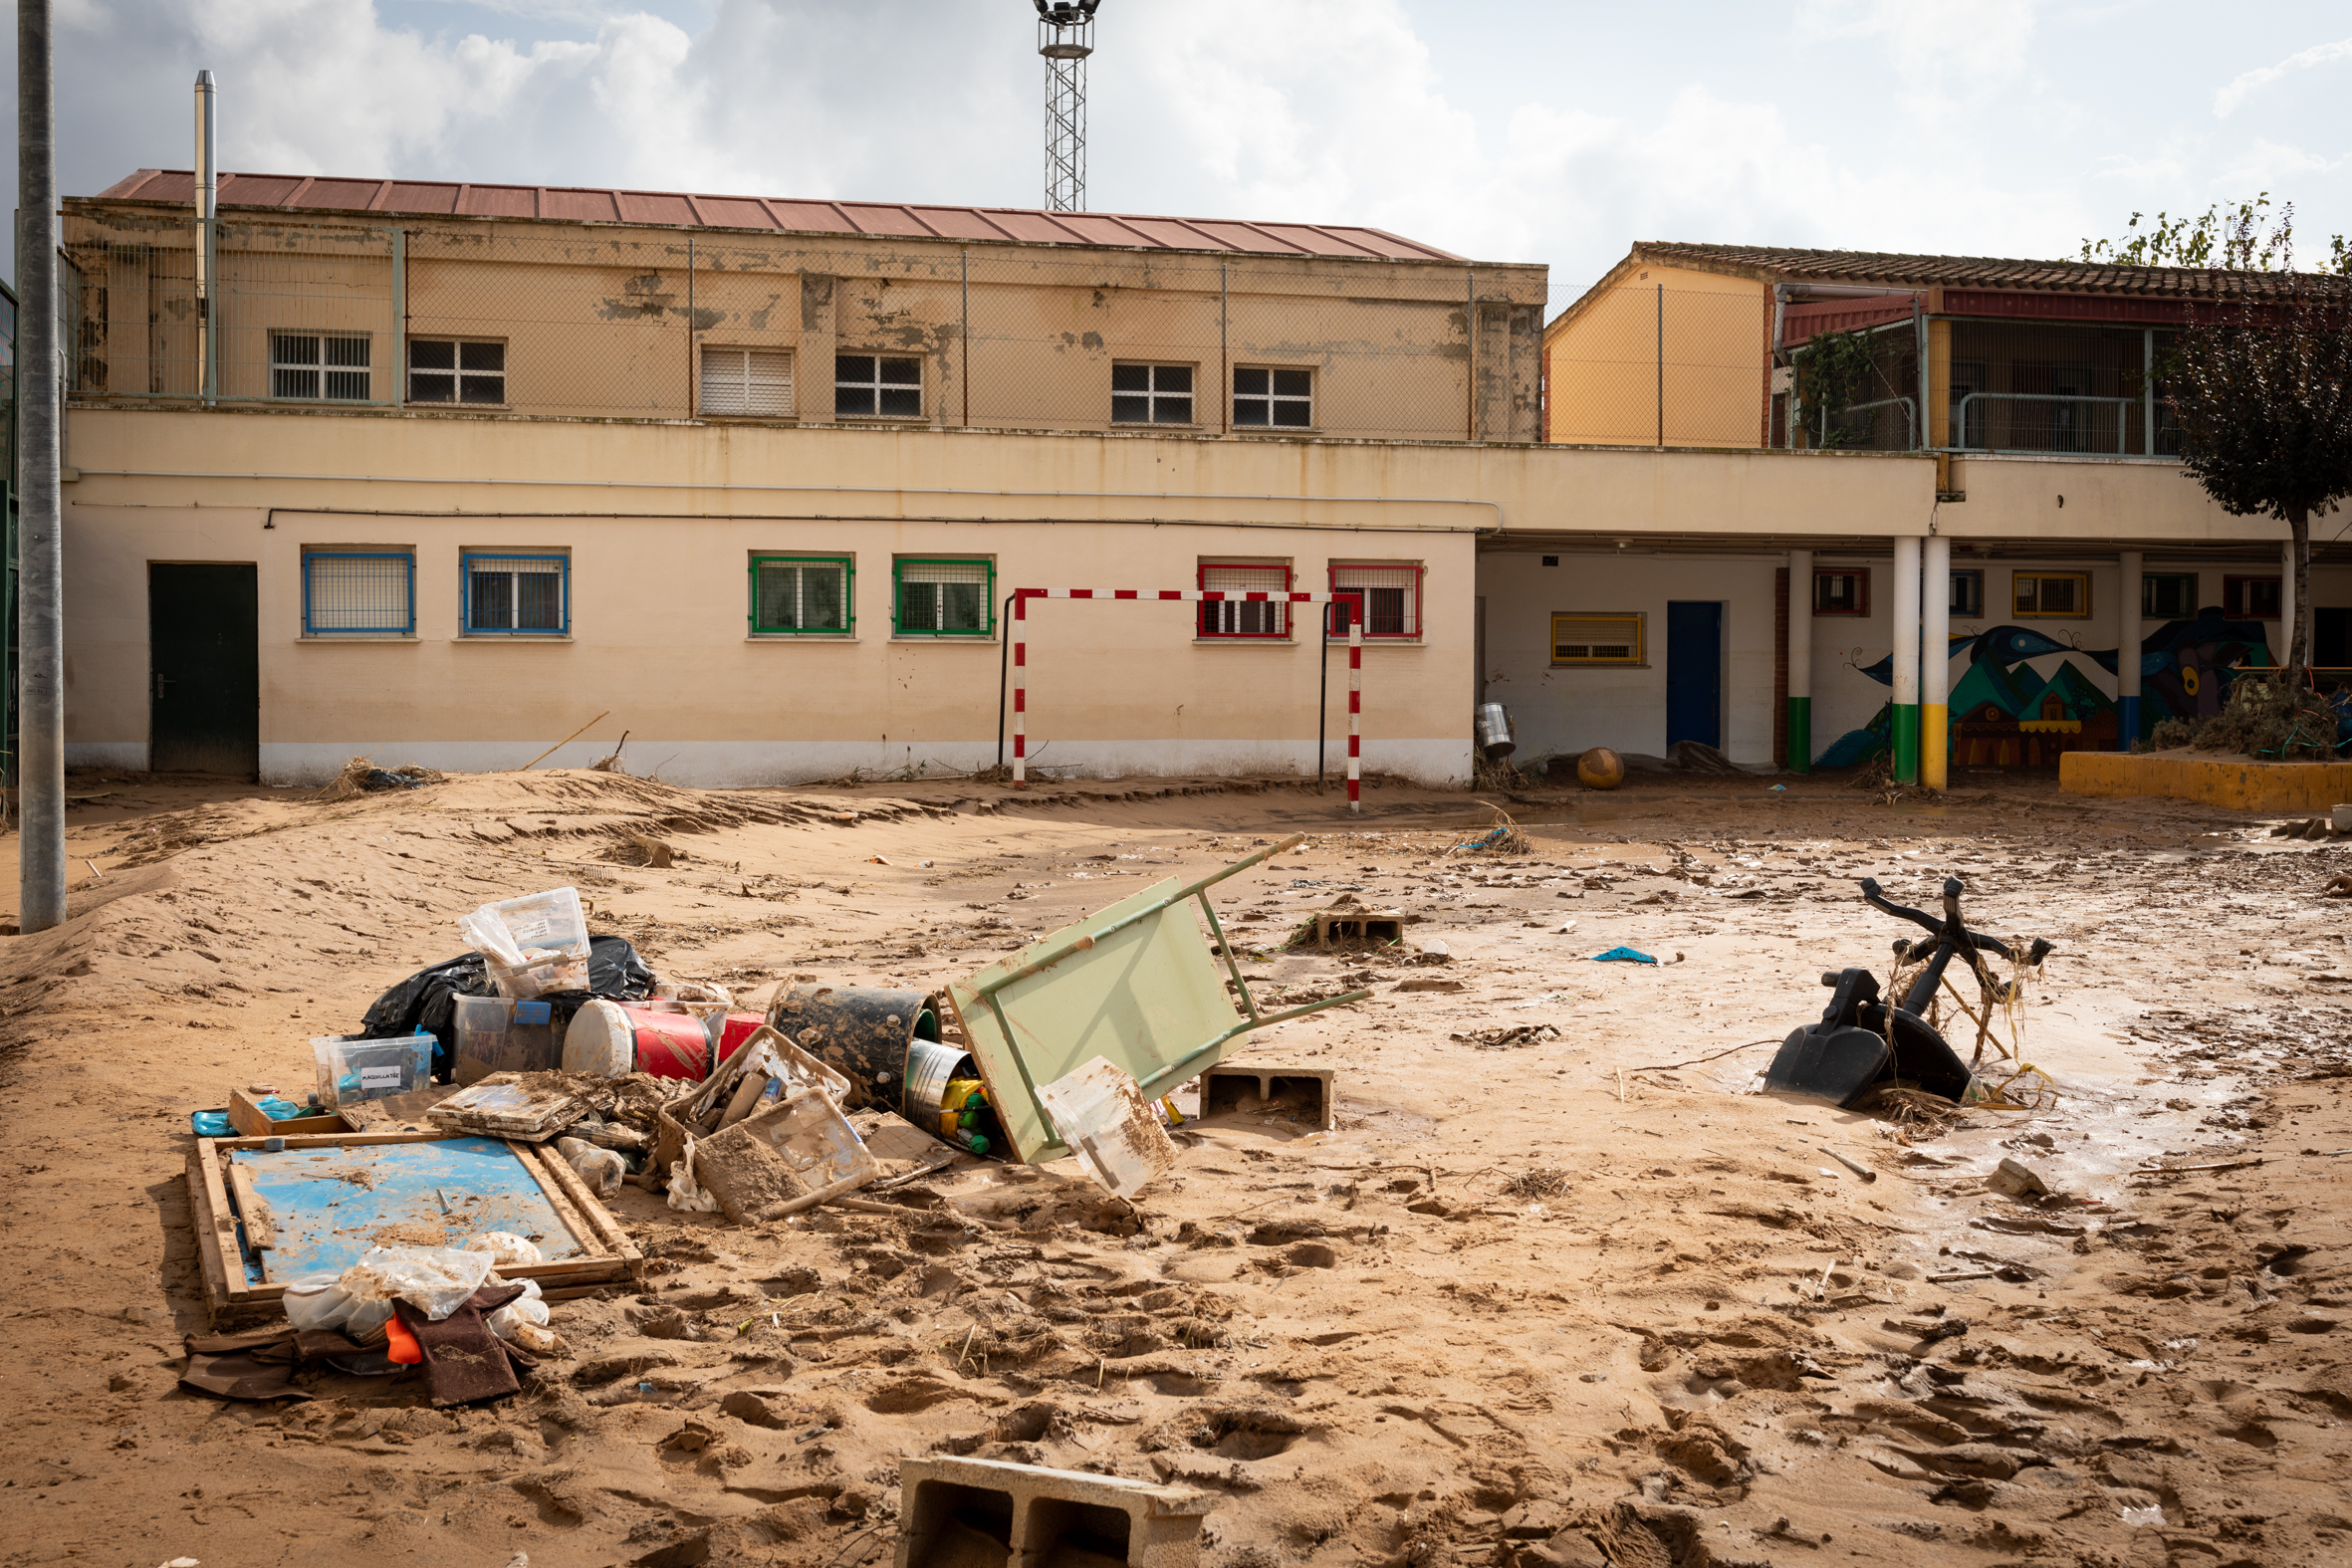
{"x": 1694, "y": 671}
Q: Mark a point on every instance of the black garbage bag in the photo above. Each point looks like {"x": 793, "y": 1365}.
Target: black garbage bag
{"x": 427, "y": 999}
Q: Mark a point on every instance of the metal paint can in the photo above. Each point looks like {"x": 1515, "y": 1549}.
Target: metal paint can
{"x": 1493, "y": 726}
{"x": 929, "y": 1067}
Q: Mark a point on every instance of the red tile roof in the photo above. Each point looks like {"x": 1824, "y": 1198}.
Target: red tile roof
{"x": 1787, "y": 264}
{"x": 562, "y": 205}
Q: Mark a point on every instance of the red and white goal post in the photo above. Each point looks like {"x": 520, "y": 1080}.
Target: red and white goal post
{"x": 1355, "y": 659}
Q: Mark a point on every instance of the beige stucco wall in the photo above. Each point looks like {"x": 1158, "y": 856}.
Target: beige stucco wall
{"x": 1602, "y": 361}
{"x": 660, "y": 519}
{"x": 608, "y": 320}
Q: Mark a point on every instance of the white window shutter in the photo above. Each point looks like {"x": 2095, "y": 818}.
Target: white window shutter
{"x": 757, "y": 382}
{"x": 768, "y": 381}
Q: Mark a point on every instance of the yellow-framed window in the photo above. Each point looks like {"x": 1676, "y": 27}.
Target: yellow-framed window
{"x": 1598, "y": 639}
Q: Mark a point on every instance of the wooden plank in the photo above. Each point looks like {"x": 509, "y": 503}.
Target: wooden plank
{"x": 574, "y": 1222}
{"x": 261, "y": 1232}
{"x": 342, "y": 1140}
{"x": 209, "y": 1247}
{"x": 224, "y": 1225}
{"x": 616, "y": 1241}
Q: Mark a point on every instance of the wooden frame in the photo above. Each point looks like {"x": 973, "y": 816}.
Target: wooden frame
{"x": 609, "y": 1255}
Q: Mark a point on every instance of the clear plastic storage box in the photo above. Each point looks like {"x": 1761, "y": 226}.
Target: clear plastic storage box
{"x": 350, "y": 1069}
{"x": 534, "y": 944}
{"x": 501, "y": 1034}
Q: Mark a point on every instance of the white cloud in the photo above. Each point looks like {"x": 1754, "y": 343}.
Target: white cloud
{"x": 1929, "y": 125}
{"x": 2228, "y": 100}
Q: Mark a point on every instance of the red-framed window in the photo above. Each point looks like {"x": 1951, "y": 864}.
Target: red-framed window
{"x": 2250, "y": 598}
{"x": 1244, "y": 618}
{"x": 1387, "y": 600}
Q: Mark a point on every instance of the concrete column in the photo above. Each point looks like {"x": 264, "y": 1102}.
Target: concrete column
{"x": 1905, "y": 612}
{"x": 2127, "y": 653}
{"x": 2288, "y": 609}
{"x": 1801, "y": 661}
{"x": 1935, "y": 665}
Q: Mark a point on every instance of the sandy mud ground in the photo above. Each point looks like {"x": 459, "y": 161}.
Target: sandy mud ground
{"x": 1556, "y": 1290}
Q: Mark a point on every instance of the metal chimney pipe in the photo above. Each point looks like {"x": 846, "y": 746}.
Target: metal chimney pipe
{"x": 207, "y": 198}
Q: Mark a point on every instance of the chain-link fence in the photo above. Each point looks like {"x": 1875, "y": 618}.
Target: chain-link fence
{"x": 717, "y": 325}
{"x": 1647, "y": 365}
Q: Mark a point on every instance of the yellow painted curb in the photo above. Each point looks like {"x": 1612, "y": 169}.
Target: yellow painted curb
{"x": 2308, "y": 788}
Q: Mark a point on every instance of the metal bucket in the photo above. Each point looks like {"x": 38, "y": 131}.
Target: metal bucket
{"x": 1491, "y": 725}
{"x": 863, "y": 1031}
{"x": 929, "y": 1066}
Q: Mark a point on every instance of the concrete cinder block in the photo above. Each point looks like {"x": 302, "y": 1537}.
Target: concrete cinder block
{"x": 987, "y": 1514}
{"x": 1359, "y": 924}
{"x": 2340, "y": 818}
{"x": 1234, "y": 1086}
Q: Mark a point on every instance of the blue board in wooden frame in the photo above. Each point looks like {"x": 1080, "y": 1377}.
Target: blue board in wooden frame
{"x": 328, "y": 1206}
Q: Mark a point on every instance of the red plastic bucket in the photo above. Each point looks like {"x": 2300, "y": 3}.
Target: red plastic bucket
{"x": 667, "y": 1044}
{"x": 732, "y": 1029}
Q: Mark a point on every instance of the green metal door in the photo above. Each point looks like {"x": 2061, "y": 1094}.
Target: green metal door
{"x": 203, "y": 670}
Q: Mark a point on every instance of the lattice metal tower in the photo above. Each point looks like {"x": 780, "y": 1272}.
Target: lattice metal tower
{"x": 1065, "y": 37}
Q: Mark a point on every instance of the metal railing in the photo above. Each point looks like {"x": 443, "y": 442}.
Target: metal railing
{"x": 2061, "y": 432}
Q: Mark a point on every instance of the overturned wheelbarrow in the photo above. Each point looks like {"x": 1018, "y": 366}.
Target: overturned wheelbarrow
{"x": 1862, "y": 1043}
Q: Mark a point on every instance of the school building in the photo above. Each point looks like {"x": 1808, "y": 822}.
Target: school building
{"x": 441, "y": 472}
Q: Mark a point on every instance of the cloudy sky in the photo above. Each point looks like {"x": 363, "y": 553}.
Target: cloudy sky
{"x": 1514, "y": 129}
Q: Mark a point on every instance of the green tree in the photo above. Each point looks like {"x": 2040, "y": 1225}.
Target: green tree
{"x": 2263, "y": 388}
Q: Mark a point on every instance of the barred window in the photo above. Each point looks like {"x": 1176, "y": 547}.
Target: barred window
{"x": 319, "y": 367}
{"x": 1387, "y": 600}
{"x": 943, "y": 599}
{"x": 1151, "y": 394}
{"x": 1245, "y": 617}
{"x": 876, "y": 386}
{"x": 354, "y": 592}
{"x": 794, "y": 595}
{"x": 453, "y": 371}
{"x": 516, "y": 594}
{"x": 755, "y": 382}
{"x": 1844, "y": 590}
{"x": 2044, "y": 595}
{"x": 1265, "y": 396}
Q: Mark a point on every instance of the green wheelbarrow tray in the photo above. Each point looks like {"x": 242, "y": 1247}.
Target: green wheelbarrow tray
{"x": 1134, "y": 984}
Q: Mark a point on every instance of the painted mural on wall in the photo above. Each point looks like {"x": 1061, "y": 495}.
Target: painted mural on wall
{"x": 2024, "y": 699}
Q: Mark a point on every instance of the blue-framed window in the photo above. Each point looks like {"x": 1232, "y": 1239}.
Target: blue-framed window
{"x": 516, "y": 595}
{"x": 359, "y": 594}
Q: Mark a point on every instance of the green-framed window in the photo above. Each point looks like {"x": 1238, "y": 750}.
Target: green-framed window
{"x": 943, "y": 598}
{"x": 803, "y": 595}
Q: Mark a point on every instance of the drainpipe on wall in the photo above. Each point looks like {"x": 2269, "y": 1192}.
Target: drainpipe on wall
{"x": 207, "y": 197}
